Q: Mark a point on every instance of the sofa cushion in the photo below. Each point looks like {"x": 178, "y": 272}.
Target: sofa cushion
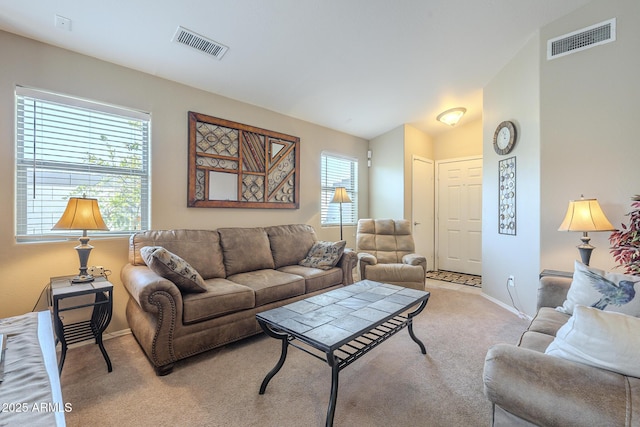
{"x": 200, "y": 248}
{"x": 606, "y": 340}
{"x": 548, "y": 321}
{"x": 270, "y": 285}
{"x": 172, "y": 267}
{"x": 537, "y": 341}
{"x": 324, "y": 255}
{"x": 395, "y": 273}
{"x": 290, "y": 243}
{"x": 315, "y": 278}
{"x": 604, "y": 290}
{"x": 222, "y": 297}
{"x": 245, "y": 249}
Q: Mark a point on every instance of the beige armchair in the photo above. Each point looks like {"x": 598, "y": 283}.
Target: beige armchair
{"x": 386, "y": 253}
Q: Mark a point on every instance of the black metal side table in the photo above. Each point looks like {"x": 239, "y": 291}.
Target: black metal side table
{"x": 62, "y": 288}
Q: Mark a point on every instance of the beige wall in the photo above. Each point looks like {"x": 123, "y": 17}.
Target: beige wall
{"x": 589, "y": 135}
{"x": 386, "y": 175}
{"x": 390, "y": 178}
{"x": 578, "y": 135}
{"x": 464, "y": 140}
{"x": 26, "y": 268}
{"x": 513, "y": 95}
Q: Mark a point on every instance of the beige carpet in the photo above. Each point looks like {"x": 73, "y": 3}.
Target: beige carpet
{"x": 394, "y": 385}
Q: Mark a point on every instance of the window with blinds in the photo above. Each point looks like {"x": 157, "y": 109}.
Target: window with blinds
{"x": 67, "y": 147}
{"x": 338, "y": 171}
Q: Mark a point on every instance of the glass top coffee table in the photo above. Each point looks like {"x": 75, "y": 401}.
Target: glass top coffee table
{"x": 342, "y": 325}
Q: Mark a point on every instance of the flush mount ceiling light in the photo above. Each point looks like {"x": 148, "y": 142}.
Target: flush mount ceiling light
{"x": 451, "y": 116}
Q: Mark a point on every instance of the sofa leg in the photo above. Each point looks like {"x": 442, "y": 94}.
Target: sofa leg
{"x": 164, "y": 369}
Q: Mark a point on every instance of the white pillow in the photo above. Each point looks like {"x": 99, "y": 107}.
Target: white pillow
{"x": 602, "y": 339}
{"x": 604, "y": 290}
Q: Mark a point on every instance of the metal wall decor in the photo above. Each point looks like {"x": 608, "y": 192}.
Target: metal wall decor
{"x": 232, "y": 165}
{"x": 507, "y": 196}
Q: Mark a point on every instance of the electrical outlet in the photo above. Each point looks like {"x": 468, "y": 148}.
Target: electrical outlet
{"x": 96, "y": 270}
{"x": 511, "y": 281}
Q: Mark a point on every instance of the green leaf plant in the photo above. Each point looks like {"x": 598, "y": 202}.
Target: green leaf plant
{"x": 119, "y": 194}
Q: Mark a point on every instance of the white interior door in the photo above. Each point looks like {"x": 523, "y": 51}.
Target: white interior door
{"x": 423, "y": 208}
{"x": 460, "y": 216}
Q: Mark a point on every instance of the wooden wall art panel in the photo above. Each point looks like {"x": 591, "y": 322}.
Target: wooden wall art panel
{"x": 232, "y": 165}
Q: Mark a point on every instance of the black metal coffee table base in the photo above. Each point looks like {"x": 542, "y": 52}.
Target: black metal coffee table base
{"x": 349, "y": 349}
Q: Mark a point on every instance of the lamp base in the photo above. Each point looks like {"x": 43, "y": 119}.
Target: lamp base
{"x": 84, "y": 249}
{"x": 82, "y": 278}
{"x": 585, "y": 248}
{"x": 585, "y": 253}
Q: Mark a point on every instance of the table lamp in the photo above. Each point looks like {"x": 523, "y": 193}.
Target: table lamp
{"x": 341, "y": 196}
{"x": 82, "y": 214}
{"x": 585, "y": 215}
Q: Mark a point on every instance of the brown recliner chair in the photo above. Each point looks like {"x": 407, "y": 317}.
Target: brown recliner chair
{"x": 386, "y": 253}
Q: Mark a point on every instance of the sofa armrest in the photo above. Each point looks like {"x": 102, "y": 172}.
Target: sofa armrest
{"x": 365, "y": 259}
{"x": 347, "y": 262}
{"x": 415, "y": 259}
{"x": 142, "y": 283}
{"x": 553, "y": 290}
{"x": 547, "y": 390}
{"x": 154, "y": 313}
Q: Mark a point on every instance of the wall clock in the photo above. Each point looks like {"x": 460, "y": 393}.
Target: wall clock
{"x": 504, "y": 138}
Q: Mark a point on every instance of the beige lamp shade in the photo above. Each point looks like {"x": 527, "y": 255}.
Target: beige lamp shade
{"x": 341, "y": 196}
{"x": 81, "y": 214}
{"x": 585, "y": 215}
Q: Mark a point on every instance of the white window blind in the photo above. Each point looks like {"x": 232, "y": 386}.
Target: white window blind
{"x": 67, "y": 147}
{"x": 338, "y": 171}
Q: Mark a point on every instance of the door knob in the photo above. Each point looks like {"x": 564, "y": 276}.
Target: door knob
{"x": 416, "y": 223}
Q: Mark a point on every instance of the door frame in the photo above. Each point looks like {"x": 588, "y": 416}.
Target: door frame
{"x": 431, "y": 257}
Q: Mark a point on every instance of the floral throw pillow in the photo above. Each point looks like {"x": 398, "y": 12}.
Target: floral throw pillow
{"x": 324, "y": 255}
{"x": 172, "y": 267}
{"x": 606, "y": 291}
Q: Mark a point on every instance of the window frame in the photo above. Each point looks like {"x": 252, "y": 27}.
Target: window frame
{"x": 29, "y": 162}
{"x": 350, "y": 211}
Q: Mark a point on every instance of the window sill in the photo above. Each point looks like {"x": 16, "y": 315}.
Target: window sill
{"x": 58, "y": 239}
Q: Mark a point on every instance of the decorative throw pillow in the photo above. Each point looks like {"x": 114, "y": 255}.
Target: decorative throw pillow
{"x": 324, "y": 255}
{"x": 602, "y": 339}
{"x": 172, "y": 267}
{"x": 604, "y": 290}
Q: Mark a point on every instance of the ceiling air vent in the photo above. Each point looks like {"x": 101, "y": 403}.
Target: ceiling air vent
{"x": 585, "y": 38}
{"x": 196, "y": 41}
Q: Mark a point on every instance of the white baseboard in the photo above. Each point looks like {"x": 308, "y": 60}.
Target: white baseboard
{"x": 507, "y": 307}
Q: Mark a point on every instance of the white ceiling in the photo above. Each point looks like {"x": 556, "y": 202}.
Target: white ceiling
{"x": 359, "y": 66}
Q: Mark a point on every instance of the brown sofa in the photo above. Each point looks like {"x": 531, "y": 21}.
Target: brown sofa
{"x": 245, "y": 270}
{"x": 530, "y": 388}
